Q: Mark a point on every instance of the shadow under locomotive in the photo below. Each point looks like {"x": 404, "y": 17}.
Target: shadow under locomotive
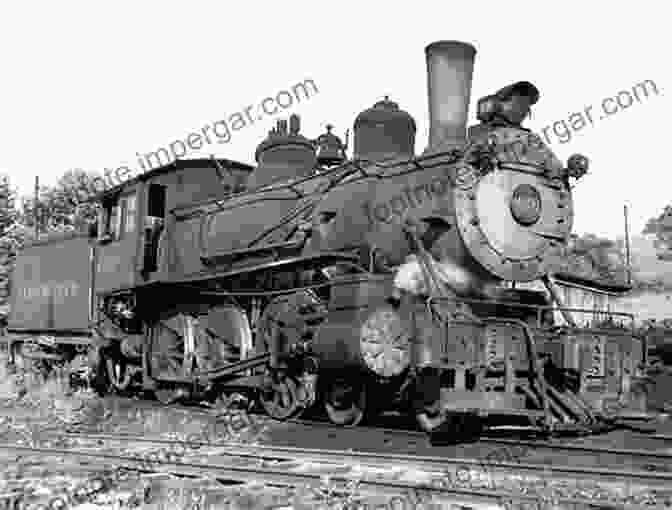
{"x": 356, "y": 286}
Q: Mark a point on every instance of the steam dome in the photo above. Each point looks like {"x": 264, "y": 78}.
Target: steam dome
{"x": 384, "y": 132}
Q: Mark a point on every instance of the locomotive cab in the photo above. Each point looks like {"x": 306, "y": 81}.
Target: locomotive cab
{"x": 118, "y": 235}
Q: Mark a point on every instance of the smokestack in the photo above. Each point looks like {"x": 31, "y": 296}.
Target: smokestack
{"x": 450, "y": 65}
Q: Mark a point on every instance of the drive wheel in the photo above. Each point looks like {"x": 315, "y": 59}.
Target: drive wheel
{"x": 297, "y": 315}
{"x": 345, "y": 403}
{"x": 280, "y": 398}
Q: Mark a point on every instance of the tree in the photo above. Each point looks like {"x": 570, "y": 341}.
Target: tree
{"x": 661, "y": 228}
{"x": 9, "y": 239}
{"x": 8, "y": 213}
{"x": 66, "y": 207}
{"x": 594, "y": 258}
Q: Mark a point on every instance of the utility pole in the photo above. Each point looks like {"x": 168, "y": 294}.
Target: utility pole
{"x": 35, "y": 207}
{"x": 627, "y": 244}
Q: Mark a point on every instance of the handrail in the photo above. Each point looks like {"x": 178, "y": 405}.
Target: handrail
{"x": 525, "y": 305}
{"x": 539, "y": 308}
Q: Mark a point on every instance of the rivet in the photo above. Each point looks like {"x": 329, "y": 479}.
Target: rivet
{"x": 475, "y": 221}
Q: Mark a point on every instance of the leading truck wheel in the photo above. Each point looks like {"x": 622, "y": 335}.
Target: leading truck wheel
{"x": 345, "y": 403}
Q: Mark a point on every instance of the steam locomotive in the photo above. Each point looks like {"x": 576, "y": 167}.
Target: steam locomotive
{"x": 362, "y": 285}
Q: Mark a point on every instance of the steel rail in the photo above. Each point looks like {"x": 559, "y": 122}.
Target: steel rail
{"x": 413, "y": 434}
{"x": 663, "y": 437}
{"x": 386, "y": 459}
{"x": 290, "y": 478}
{"x": 582, "y": 448}
{"x": 512, "y": 442}
{"x": 325, "y": 424}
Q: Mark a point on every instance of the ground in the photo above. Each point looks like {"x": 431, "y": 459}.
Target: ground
{"x": 36, "y": 413}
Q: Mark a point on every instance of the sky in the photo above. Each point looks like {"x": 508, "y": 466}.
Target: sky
{"x": 90, "y": 84}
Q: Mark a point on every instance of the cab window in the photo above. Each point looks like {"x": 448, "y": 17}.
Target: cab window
{"x": 129, "y": 205}
{"x": 120, "y": 216}
{"x": 114, "y": 223}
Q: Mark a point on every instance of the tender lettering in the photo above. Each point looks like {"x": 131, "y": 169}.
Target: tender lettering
{"x": 58, "y": 290}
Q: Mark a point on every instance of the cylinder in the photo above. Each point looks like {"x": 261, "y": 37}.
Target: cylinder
{"x": 450, "y": 66}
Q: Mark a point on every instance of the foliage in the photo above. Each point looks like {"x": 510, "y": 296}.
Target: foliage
{"x": 7, "y": 206}
{"x": 9, "y": 238}
{"x": 593, "y": 258}
{"x": 66, "y": 207}
{"x": 661, "y": 228}
{"x": 655, "y": 285}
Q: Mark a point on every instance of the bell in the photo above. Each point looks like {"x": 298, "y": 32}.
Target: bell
{"x": 577, "y": 165}
{"x": 331, "y": 150}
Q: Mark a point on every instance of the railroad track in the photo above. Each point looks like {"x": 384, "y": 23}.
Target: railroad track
{"x": 491, "y": 448}
{"x": 296, "y": 466}
{"x": 401, "y": 426}
{"x": 434, "y": 463}
{"x": 483, "y": 453}
{"x": 497, "y": 446}
{"x": 549, "y": 445}
{"x": 388, "y": 436}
